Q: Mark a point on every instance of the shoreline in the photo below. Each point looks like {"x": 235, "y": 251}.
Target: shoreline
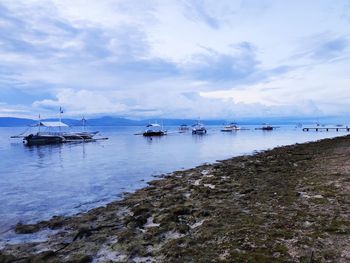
{"x": 288, "y": 204}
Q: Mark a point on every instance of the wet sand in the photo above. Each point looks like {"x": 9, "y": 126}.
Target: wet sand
{"x": 289, "y": 204}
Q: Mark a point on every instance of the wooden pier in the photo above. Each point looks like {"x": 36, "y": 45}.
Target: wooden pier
{"x": 319, "y": 129}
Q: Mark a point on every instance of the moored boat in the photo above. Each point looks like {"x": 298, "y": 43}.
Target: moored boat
{"x": 55, "y": 133}
{"x": 154, "y": 129}
{"x": 199, "y": 129}
{"x": 47, "y": 137}
{"x": 231, "y": 127}
{"x": 183, "y": 128}
{"x": 266, "y": 127}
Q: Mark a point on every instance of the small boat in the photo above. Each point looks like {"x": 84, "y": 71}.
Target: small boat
{"x": 265, "y": 127}
{"x": 231, "y": 127}
{"x": 154, "y": 129}
{"x": 199, "y": 128}
{"x": 184, "y": 128}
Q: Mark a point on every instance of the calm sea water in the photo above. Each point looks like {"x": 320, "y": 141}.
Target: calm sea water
{"x": 39, "y": 182}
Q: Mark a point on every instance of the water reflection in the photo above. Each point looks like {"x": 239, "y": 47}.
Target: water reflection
{"x": 154, "y": 139}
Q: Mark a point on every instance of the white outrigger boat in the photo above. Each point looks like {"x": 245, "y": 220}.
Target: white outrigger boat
{"x": 53, "y": 136}
{"x": 231, "y": 127}
{"x": 56, "y": 132}
{"x": 199, "y": 129}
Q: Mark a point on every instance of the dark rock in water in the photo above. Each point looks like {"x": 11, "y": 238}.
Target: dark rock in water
{"x": 27, "y": 229}
{"x": 45, "y": 256}
{"x": 6, "y": 258}
{"x": 82, "y": 233}
{"x": 56, "y": 222}
{"x": 81, "y": 259}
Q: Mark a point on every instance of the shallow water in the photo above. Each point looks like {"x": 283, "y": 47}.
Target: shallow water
{"x": 39, "y": 182}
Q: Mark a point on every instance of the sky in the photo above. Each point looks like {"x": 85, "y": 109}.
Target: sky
{"x": 218, "y": 59}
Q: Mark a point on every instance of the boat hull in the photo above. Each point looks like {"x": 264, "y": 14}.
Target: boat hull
{"x": 154, "y": 133}
{"x": 230, "y": 130}
{"x": 199, "y": 132}
{"x": 265, "y": 128}
{"x": 42, "y": 140}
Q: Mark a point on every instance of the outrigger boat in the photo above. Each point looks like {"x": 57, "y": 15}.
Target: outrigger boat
{"x": 183, "y": 128}
{"x": 52, "y": 136}
{"x": 154, "y": 129}
{"x": 56, "y": 132}
{"x": 231, "y": 127}
{"x": 199, "y": 129}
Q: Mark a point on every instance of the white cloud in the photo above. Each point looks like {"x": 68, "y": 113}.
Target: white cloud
{"x": 82, "y": 102}
{"x": 177, "y": 58}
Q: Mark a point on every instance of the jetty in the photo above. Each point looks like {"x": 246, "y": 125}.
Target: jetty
{"x": 326, "y": 129}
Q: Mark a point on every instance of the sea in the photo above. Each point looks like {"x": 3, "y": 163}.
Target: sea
{"x": 39, "y": 182}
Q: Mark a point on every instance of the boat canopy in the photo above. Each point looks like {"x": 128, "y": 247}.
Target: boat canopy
{"x": 51, "y": 124}
{"x": 153, "y": 125}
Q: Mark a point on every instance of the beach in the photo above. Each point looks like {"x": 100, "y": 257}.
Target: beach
{"x": 288, "y": 204}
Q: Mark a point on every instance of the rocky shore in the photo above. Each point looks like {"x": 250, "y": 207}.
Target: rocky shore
{"x": 289, "y": 204}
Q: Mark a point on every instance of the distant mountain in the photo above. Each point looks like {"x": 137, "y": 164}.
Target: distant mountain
{"x": 15, "y": 122}
{"x": 118, "y": 121}
{"x": 113, "y": 121}
{"x": 106, "y": 121}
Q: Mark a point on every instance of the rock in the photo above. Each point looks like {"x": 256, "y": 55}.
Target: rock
{"x": 26, "y": 229}
{"x": 6, "y": 258}
{"x": 81, "y": 259}
{"x": 247, "y": 191}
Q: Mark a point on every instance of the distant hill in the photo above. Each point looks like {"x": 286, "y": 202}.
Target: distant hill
{"x": 104, "y": 121}
{"x": 118, "y": 121}
{"x": 15, "y": 122}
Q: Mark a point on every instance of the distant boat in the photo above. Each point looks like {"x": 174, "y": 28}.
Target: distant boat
{"x": 231, "y": 127}
{"x": 154, "y": 129}
{"x": 184, "y": 128}
{"x": 265, "y": 127}
{"x": 199, "y": 128}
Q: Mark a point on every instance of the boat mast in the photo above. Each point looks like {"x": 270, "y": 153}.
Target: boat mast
{"x": 84, "y": 122}
{"x": 39, "y": 122}
{"x": 61, "y": 111}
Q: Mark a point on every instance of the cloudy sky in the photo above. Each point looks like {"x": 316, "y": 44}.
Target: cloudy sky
{"x": 175, "y": 58}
